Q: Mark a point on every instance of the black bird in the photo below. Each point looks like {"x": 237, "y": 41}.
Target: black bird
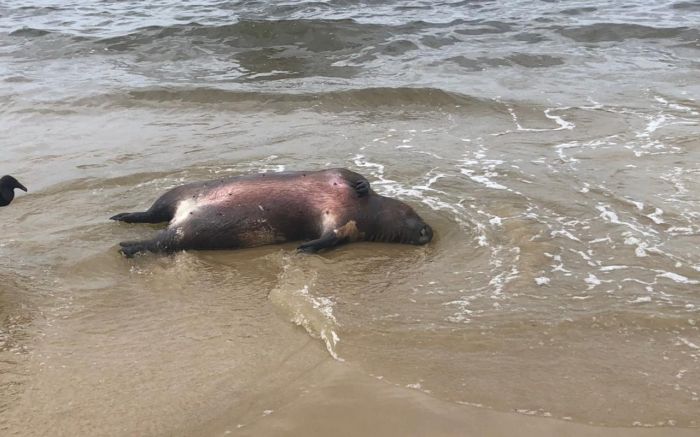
{"x": 7, "y": 189}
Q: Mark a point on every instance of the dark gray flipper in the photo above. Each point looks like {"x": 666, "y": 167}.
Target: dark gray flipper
{"x": 131, "y": 248}
{"x": 165, "y": 241}
{"x": 327, "y": 240}
{"x": 343, "y": 234}
{"x": 361, "y": 187}
{"x": 139, "y": 217}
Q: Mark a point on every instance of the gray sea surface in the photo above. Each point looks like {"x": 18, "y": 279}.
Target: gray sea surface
{"x": 553, "y": 146}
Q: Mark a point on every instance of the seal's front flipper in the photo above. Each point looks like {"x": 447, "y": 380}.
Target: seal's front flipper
{"x": 361, "y": 187}
{"x": 137, "y": 217}
{"x": 327, "y": 240}
{"x": 346, "y": 233}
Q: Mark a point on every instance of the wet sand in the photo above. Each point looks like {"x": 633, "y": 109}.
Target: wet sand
{"x": 346, "y": 402}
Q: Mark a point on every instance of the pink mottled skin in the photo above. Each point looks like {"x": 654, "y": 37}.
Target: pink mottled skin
{"x": 276, "y": 194}
{"x": 328, "y": 207}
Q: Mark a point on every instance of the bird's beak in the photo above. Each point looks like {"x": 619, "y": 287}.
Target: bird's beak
{"x": 21, "y": 187}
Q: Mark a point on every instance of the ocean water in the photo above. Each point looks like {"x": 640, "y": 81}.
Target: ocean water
{"x": 553, "y": 147}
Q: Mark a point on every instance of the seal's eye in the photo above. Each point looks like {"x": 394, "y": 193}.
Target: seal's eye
{"x": 423, "y": 232}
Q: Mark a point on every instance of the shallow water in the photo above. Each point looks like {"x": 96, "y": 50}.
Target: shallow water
{"x": 552, "y": 147}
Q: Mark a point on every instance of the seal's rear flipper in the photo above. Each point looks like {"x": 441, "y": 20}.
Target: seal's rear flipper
{"x": 136, "y": 217}
{"x": 166, "y": 241}
{"x": 131, "y": 248}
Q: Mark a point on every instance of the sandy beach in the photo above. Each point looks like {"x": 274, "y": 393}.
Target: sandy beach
{"x": 552, "y": 147}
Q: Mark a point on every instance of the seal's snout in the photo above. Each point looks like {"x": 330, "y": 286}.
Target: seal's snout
{"x": 416, "y": 231}
{"x": 425, "y": 235}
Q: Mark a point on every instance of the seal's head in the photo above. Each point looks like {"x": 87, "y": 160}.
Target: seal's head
{"x": 395, "y": 222}
{"x": 7, "y": 189}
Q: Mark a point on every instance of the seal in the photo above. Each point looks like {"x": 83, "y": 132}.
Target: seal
{"x": 324, "y": 208}
{"x": 7, "y": 189}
